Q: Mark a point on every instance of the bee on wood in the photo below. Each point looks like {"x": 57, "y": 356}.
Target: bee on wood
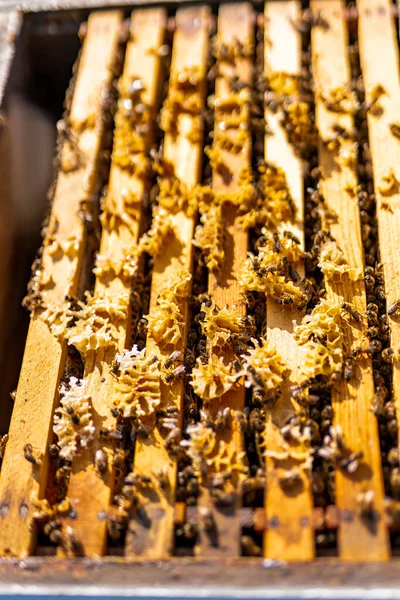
{"x": 395, "y": 129}
{"x": 161, "y": 476}
{"x": 351, "y": 311}
{"x": 221, "y": 418}
{"x": 100, "y": 461}
{"x": 365, "y": 502}
{"x": 290, "y": 480}
{"x": 167, "y": 418}
{"x": 142, "y": 430}
{"x": 208, "y": 520}
{"x": 393, "y": 308}
{"x": 171, "y": 443}
{"x": 352, "y": 462}
{"x": 173, "y": 357}
{"x": 348, "y": 368}
{"x": 72, "y": 541}
{"x": 293, "y": 274}
{"x": 31, "y": 456}
{"x": 177, "y": 373}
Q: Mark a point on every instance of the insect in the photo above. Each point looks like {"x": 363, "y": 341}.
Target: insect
{"x": 161, "y": 476}
{"x": 284, "y": 300}
{"x": 115, "y": 526}
{"x": 100, "y": 461}
{"x": 221, "y": 418}
{"x": 351, "y": 311}
{"x": 387, "y": 355}
{"x": 256, "y": 421}
{"x": 277, "y": 244}
{"x": 365, "y": 502}
{"x": 249, "y": 546}
{"x": 52, "y": 529}
{"x": 393, "y": 457}
{"x": 290, "y": 480}
{"x": 173, "y": 357}
{"x": 222, "y": 498}
{"x": 118, "y": 458}
{"x": 348, "y": 368}
{"x": 177, "y": 373}
{"x": 372, "y": 332}
{"x": 54, "y": 451}
{"x": 293, "y": 273}
{"x": 395, "y": 129}
{"x": 171, "y": 443}
{"x": 31, "y": 456}
{"x": 393, "y": 308}
{"x": 72, "y": 541}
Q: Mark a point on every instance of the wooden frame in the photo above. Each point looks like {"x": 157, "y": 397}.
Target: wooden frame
{"x": 111, "y": 568}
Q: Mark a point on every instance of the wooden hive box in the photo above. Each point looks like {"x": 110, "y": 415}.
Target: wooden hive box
{"x": 208, "y": 397}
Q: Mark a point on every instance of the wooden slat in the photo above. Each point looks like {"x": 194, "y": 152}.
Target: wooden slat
{"x": 351, "y": 401}
{"x": 235, "y": 22}
{"x": 154, "y": 539}
{"x": 289, "y": 535}
{"x": 141, "y": 62}
{"x": 44, "y": 356}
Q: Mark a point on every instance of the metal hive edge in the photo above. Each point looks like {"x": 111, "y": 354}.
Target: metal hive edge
{"x": 116, "y": 578}
{"x": 48, "y": 5}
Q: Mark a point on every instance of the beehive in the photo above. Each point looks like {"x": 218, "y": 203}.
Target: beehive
{"x": 211, "y": 366}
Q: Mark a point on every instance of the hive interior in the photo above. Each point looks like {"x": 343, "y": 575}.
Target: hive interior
{"x": 209, "y": 308}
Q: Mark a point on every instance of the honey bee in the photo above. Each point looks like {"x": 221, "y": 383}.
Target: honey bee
{"x": 31, "y": 456}
{"x": 387, "y": 355}
{"x": 177, "y": 373}
{"x": 290, "y": 236}
{"x": 221, "y": 418}
{"x": 223, "y": 499}
{"x": 290, "y": 480}
{"x": 351, "y": 311}
{"x": 173, "y": 357}
{"x": 100, "y": 461}
{"x": 277, "y": 244}
{"x": 72, "y": 541}
{"x": 249, "y": 546}
{"x": 393, "y": 308}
